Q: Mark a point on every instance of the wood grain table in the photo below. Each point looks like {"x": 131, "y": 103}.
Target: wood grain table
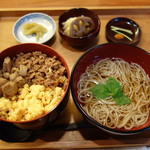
{"x": 62, "y": 135}
{"x": 70, "y": 3}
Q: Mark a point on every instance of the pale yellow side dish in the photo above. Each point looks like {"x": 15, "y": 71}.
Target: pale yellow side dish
{"x": 34, "y": 28}
{"x": 30, "y": 102}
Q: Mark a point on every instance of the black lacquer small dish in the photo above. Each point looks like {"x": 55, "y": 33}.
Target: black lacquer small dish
{"x": 123, "y": 30}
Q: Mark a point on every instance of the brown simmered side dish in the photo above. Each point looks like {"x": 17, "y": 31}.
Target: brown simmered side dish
{"x": 31, "y": 68}
{"x": 78, "y": 26}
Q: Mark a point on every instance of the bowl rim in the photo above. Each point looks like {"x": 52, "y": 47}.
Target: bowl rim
{"x": 97, "y": 29}
{"x": 63, "y": 61}
{"x": 85, "y": 115}
{"x": 29, "y": 14}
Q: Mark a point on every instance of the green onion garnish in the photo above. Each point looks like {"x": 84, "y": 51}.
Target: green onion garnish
{"x": 118, "y": 29}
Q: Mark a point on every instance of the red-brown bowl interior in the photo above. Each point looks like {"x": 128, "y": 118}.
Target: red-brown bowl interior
{"x": 75, "y": 12}
{"x": 31, "y": 47}
{"x": 118, "y": 50}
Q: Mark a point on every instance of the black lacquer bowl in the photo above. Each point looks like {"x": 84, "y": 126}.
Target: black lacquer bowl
{"x": 128, "y": 53}
{"x": 84, "y": 40}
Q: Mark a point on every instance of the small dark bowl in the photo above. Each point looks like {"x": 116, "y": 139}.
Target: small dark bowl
{"x": 128, "y": 53}
{"x": 75, "y": 12}
{"x": 125, "y": 23}
{"x": 43, "y": 120}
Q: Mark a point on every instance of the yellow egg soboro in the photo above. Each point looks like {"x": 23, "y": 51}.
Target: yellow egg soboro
{"x": 30, "y": 102}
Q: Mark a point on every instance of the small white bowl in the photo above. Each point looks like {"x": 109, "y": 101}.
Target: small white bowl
{"x": 40, "y": 18}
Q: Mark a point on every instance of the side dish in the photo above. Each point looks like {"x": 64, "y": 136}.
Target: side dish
{"x": 34, "y": 29}
{"x": 121, "y": 33}
{"x": 78, "y": 26}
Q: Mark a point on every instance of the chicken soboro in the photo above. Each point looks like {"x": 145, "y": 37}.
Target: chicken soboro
{"x": 31, "y": 68}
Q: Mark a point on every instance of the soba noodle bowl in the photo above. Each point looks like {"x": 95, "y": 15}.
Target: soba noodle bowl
{"x": 135, "y": 84}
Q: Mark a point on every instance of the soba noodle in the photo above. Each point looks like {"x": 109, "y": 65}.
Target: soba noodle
{"x": 135, "y": 84}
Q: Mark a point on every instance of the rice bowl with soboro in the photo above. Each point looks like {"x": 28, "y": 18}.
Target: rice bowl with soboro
{"x": 34, "y": 83}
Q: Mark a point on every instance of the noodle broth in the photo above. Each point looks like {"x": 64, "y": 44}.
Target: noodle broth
{"x": 135, "y": 84}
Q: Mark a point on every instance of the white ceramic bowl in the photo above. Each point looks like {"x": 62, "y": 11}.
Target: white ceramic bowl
{"x": 40, "y": 18}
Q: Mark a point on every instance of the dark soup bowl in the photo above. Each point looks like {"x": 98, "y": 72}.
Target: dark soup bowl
{"x": 34, "y": 85}
{"x": 80, "y": 38}
{"x": 110, "y": 86}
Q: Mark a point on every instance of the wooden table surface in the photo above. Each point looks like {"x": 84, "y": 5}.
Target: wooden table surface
{"x": 70, "y": 3}
{"x": 138, "y": 10}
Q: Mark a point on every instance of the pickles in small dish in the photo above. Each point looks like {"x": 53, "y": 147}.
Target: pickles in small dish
{"x": 34, "y": 29}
